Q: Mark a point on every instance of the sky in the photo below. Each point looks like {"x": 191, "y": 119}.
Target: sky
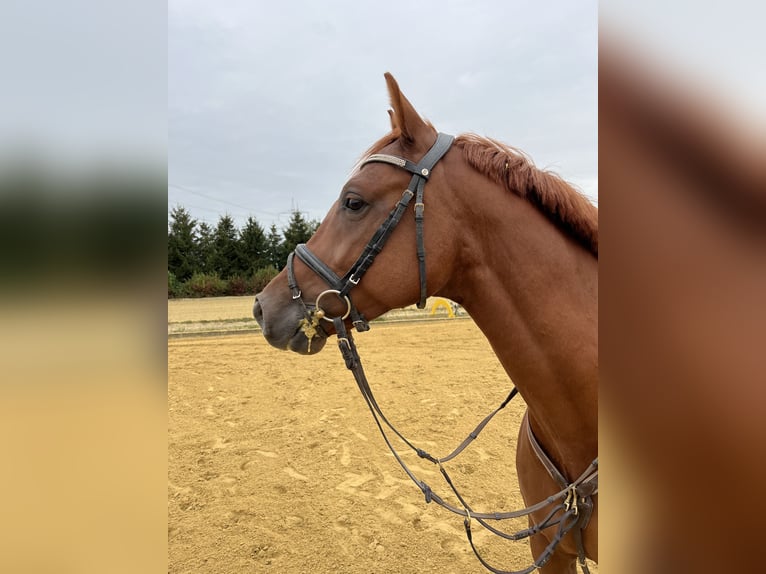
{"x": 270, "y": 104}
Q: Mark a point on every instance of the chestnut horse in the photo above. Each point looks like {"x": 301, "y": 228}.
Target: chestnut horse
{"x": 516, "y": 246}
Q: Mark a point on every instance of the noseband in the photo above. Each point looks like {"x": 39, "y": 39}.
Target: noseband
{"x": 341, "y": 286}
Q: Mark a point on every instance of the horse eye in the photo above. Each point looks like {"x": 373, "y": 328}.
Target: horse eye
{"x": 353, "y": 203}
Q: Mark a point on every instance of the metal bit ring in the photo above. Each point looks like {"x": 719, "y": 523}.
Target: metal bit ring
{"x": 335, "y": 292}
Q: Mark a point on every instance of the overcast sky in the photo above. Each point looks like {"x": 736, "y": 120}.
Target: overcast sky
{"x": 271, "y": 103}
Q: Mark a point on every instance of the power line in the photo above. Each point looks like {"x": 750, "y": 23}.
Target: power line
{"x": 279, "y": 216}
{"x": 239, "y": 205}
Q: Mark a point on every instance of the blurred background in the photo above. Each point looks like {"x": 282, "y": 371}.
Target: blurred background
{"x": 83, "y": 135}
{"x": 682, "y": 176}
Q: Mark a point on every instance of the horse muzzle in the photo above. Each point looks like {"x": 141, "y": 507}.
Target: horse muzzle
{"x": 282, "y": 326}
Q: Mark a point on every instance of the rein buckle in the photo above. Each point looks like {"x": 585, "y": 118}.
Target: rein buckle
{"x": 571, "y": 500}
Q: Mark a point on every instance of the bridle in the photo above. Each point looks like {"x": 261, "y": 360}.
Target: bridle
{"x": 573, "y": 503}
{"x": 341, "y": 286}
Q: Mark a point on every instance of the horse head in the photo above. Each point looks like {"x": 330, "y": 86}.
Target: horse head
{"x": 394, "y": 277}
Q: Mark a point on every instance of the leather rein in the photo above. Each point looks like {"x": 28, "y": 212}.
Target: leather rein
{"x": 573, "y": 503}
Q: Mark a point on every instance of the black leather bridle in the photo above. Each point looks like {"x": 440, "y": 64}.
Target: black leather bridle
{"x": 569, "y": 509}
{"x": 342, "y": 286}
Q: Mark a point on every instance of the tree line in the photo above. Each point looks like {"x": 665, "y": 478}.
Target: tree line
{"x": 208, "y": 261}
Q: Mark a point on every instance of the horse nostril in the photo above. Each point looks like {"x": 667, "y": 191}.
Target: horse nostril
{"x": 258, "y": 311}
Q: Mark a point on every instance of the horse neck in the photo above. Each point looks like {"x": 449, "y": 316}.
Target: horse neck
{"x": 533, "y": 292}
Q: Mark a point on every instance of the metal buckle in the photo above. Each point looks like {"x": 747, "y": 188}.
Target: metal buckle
{"x": 571, "y": 500}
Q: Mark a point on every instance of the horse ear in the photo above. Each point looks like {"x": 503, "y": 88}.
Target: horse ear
{"x": 411, "y": 126}
{"x": 393, "y": 120}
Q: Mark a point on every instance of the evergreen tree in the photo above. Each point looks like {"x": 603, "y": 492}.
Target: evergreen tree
{"x": 205, "y": 248}
{"x": 274, "y": 248}
{"x": 298, "y": 230}
{"x": 182, "y": 248}
{"x": 253, "y": 247}
{"x": 226, "y": 259}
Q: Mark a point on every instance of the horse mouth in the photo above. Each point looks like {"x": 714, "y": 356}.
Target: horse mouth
{"x": 292, "y": 329}
{"x": 286, "y": 331}
{"x": 304, "y": 344}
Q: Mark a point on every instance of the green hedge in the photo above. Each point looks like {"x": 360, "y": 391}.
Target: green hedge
{"x": 175, "y": 287}
{"x": 204, "y": 285}
{"x": 211, "y": 285}
{"x": 261, "y": 278}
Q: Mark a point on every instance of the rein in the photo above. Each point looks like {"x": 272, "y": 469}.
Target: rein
{"x": 573, "y": 503}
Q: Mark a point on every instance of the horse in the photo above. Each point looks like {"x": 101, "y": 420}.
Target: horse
{"x": 683, "y": 370}
{"x": 514, "y": 245}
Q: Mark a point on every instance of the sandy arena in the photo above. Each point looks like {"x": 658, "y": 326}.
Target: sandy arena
{"x": 275, "y": 463}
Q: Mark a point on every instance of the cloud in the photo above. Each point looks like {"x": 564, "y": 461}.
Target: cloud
{"x": 258, "y": 92}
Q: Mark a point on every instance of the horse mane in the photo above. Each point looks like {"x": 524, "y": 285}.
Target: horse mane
{"x": 565, "y": 206}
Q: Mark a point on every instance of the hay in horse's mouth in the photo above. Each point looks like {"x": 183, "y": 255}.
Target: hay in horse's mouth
{"x": 299, "y": 342}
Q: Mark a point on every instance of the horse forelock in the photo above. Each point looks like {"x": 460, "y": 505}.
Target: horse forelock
{"x": 564, "y": 205}
{"x": 382, "y": 143}
{"x": 394, "y": 135}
